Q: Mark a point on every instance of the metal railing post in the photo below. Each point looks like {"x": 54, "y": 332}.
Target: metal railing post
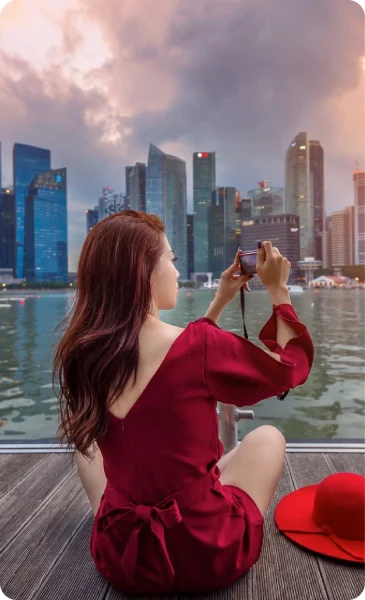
{"x": 229, "y": 415}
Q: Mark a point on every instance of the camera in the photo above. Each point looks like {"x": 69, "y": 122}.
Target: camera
{"x": 248, "y": 262}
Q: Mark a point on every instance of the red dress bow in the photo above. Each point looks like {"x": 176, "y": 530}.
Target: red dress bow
{"x": 165, "y": 514}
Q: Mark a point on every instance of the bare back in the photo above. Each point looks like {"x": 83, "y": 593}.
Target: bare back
{"x": 155, "y": 341}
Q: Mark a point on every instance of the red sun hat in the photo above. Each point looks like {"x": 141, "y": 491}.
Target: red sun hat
{"x": 328, "y": 517}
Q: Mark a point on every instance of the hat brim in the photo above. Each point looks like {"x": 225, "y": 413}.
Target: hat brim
{"x": 293, "y": 517}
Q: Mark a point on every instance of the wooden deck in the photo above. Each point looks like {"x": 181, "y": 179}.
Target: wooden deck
{"x": 46, "y": 524}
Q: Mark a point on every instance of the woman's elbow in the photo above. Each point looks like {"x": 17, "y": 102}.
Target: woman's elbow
{"x": 300, "y": 376}
{"x": 273, "y": 354}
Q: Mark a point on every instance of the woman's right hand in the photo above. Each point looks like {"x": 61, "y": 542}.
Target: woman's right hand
{"x": 272, "y": 268}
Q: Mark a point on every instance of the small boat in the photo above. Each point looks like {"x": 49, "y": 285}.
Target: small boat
{"x": 295, "y": 289}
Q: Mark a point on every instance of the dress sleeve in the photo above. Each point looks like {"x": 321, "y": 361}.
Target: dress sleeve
{"x": 241, "y": 373}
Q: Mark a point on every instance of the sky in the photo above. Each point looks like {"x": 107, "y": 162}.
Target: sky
{"x": 96, "y": 82}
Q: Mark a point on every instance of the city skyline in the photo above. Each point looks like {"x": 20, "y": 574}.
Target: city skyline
{"x": 165, "y": 199}
{"x": 185, "y": 85}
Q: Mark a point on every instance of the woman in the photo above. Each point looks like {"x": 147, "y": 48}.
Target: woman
{"x": 170, "y": 512}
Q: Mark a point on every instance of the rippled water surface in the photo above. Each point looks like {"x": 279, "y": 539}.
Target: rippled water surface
{"x": 329, "y": 406}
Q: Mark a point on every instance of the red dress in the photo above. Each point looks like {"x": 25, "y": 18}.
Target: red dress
{"x": 165, "y": 523}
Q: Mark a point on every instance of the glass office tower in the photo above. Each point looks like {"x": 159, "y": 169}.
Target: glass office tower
{"x": 28, "y": 161}
{"x": 45, "y": 232}
{"x": 166, "y": 197}
{"x": 203, "y": 186}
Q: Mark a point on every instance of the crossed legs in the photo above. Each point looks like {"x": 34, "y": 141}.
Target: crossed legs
{"x": 256, "y": 464}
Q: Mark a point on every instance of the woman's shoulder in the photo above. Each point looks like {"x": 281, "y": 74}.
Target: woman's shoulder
{"x": 168, "y": 334}
{"x": 217, "y": 338}
{"x": 213, "y": 330}
{"x": 206, "y": 321}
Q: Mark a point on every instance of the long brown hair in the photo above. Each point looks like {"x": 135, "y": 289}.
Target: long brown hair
{"x": 98, "y": 351}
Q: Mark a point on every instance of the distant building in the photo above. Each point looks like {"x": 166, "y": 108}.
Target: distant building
{"x": 267, "y": 201}
{"x": 246, "y": 219}
{"x": 190, "y": 242}
{"x": 7, "y": 276}
{"x": 316, "y": 170}
{"x": 359, "y": 190}
{"x": 327, "y": 259}
{"x": 246, "y": 209}
{"x": 222, "y": 241}
{"x": 92, "y": 217}
{"x": 28, "y": 162}
{"x": 204, "y": 183}
{"x": 343, "y": 237}
{"x": 127, "y": 197}
{"x": 281, "y": 230}
{"x": 45, "y": 230}
{"x": 7, "y": 229}
{"x": 299, "y": 191}
{"x": 110, "y": 202}
{"x": 166, "y": 197}
{"x": 238, "y": 217}
{"x": 327, "y": 282}
{"x": 309, "y": 266}
{"x": 138, "y": 187}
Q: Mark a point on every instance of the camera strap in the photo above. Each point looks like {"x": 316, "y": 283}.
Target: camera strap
{"x": 242, "y": 294}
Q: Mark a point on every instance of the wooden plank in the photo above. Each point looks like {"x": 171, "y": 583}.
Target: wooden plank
{"x": 237, "y": 591}
{"x": 283, "y": 570}
{"x": 71, "y": 574}
{"x": 24, "y": 500}
{"x": 344, "y": 580}
{"x": 16, "y": 467}
{"x": 4, "y": 457}
{"x": 44, "y": 544}
{"x": 347, "y": 463}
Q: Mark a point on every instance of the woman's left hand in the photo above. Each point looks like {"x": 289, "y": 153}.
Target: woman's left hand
{"x": 230, "y": 282}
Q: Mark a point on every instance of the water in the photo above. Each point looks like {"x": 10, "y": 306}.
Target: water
{"x": 329, "y": 406}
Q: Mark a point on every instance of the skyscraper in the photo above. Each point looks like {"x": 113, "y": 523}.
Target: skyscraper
{"x": 166, "y": 197}
{"x": 266, "y": 200}
{"x": 156, "y": 182}
{"x": 127, "y": 200}
{"x": 238, "y": 220}
{"x": 245, "y": 211}
{"x": 92, "y": 217}
{"x": 28, "y": 161}
{"x": 138, "y": 187}
{"x": 327, "y": 262}
{"x": 222, "y": 239}
{"x": 282, "y": 230}
{"x": 343, "y": 230}
{"x": 45, "y": 230}
{"x": 190, "y": 242}
{"x": 7, "y": 229}
{"x": 110, "y": 202}
{"x": 316, "y": 170}
{"x": 359, "y": 189}
{"x": 298, "y": 191}
{"x": 203, "y": 185}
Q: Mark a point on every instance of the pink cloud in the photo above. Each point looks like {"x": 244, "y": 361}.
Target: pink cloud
{"x": 97, "y": 81}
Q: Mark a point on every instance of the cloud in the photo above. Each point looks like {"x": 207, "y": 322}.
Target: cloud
{"x": 102, "y": 80}
{"x": 53, "y": 113}
{"x": 256, "y": 76}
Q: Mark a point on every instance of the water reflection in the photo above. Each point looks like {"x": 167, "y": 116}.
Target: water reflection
{"x": 330, "y": 405}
